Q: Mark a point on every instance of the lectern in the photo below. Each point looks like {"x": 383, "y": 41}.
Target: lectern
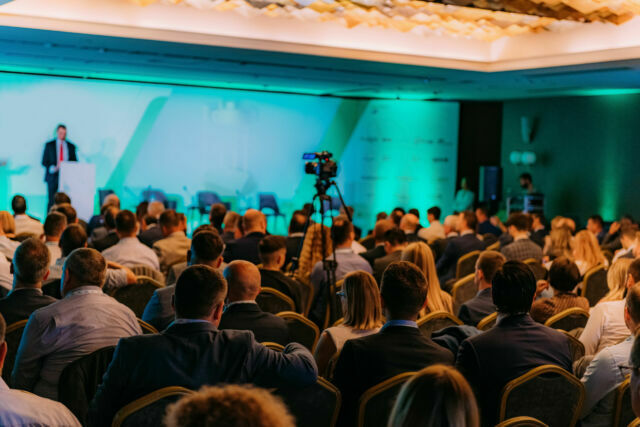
{"x": 78, "y": 180}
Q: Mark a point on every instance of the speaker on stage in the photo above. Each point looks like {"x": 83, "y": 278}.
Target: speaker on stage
{"x": 490, "y": 189}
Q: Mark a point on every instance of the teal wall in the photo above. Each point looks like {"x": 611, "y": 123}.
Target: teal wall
{"x": 588, "y": 151}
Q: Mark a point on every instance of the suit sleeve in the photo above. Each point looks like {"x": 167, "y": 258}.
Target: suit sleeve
{"x": 345, "y": 378}
{"x": 73, "y": 152}
{"x": 467, "y": 363}
{"x": 294, "y": 366}
{"x": 153, "y": 311}
{"x": 108, "y": 398}
{"x": 463, "y": 315}
{"x": 46, "y": 162}
{"x": 598, "y": 380}
{"x": 447, "y": 258}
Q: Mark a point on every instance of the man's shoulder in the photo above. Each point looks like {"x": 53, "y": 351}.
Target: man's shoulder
{"x": 167, "y": 291}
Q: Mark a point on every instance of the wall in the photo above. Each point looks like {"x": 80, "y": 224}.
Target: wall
{"x": 588, "y": 151}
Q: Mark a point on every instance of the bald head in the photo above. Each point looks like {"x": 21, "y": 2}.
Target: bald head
{"x": 243, "y": 279}
{"x": 409, "y": 223}
{"x": 381, "y": 228}
{"x": 155, "y": 209}
{"x": 111, "y": 200}
{"x": 254, "y": 221}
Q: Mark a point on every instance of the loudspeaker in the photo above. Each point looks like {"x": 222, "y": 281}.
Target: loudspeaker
{"x": 490, "y": 184}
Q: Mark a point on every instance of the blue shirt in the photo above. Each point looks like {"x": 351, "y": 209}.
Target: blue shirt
{"x": 406, "y": 323}
{"x": 347, "y": 260}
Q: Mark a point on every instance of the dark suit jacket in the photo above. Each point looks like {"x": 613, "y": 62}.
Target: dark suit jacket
{"x": 19, "y": 304}
{"x": 151, "y": 235}
{"x": 477, "y": 308}
{"x": 365, "y": 362}
{"x": 293, "y": 244}
{"x": 192, "y": 355}
{"x": 245, "y": 248}
{"x": 250, "y": 317}
{"x": 106, "y": 242}
{"x": 280, "y": 282}
{"x": 538, "y": 237}
{"x": 457, "y": 247}
{"x": 510, "y": 349}
{"x": 373, "y": 254}
{"x": 382, "y": 263}
{"x": 488, "y": 228}
{"x": 50, "y": 157}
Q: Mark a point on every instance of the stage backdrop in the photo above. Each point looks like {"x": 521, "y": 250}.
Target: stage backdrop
{"x": 236, "y": 143}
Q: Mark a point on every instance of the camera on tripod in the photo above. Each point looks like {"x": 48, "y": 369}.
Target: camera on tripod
{"x": 324, "y": 168}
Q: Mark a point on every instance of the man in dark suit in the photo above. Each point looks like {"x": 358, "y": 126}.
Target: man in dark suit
{"x": 480, "y": 306}
{"x": 193, "y": 352}
{"x": 394, "y": 242}
{"x": 514, "y": 346}
{"x": 56, "y": 151}
{"x": 296, "y": 234}
{"x": 30, "y": 267}
{"x": 484, "y": 224}
{"x": 522, "y": 247}
{"x": 409, "y": 224}
{"x": 459, "y": 246}
{"x": 110, "y": 224}
{"x": 254, "y": 226}
{"x": 243, "y": 313}
{"x": 538, "y": 229}
{"x": 378, "y": 250}
{"x": 153, "y": 232}
{"x": 398, "y": 347}
{"x": 273, "y": 250}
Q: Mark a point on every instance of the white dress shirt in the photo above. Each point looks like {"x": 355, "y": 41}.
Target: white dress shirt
{"x": 18, "y": 408}
{"x": 26, "y": 224}
{"x": 116, "y": 278}
{"x": 54, "y": 252}
{"x": 434, "y": 231}
{"x": 605, "y": 327}
{"x": 130, "y": 251}
{"x": 8, "y": 246}
{"x": 84, "y": 321}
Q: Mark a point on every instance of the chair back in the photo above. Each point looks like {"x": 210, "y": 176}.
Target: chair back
{"x": 537, "y": 268}
{"x": 488, "y": 322}
{"x": 148, "y": 271}
{"x": 80, "y": 379}
{"x": 273, "y": 301}
{"x": 569, "y": 319}
{"x": 376, "y": 403}
{"x": 301, "y": 329}
{"x": 547, "y": 393}
{"x": 576, "y": 346}
{"x": 495, "y": 246}
{"x": 595, "y": 284}
{"x": 137, "y": 296}
{"x": 463, "y": 290}
{"x": 147, "y": 328}
{"x": 268, "y": 201}
{"x": 635, "y": 423}
{"x": 149, "y": 410}
{"x": 522, "y": 422}
{"x": 52, "y": 289}
{"x": 273, "y": 346}
{"x": 622, "y": 411}
{"x": 489, "y": 239}
{"x": 316, "y": 405}
{"x": 306, "y": 295}
{"x": 467, "y": 264}
{"x": 12, "y": 337}
{"x": 206, "y": 199}
{"x": 436, "y": 321}
{"x": 331, "y": 366}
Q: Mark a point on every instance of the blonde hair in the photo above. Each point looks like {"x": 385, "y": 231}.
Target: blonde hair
{"x": 436, "y": 396}
{"x": 560, "y": 243}
{"x": 586, "y": 248}
{"x": 617, "y": 279}
{"x": 420, "y": 255}
{"x": 7, "y": 222}
{"x": 363, "y": 310}
{"x": 312, "y": 250}
{"x": 229, "y": 406}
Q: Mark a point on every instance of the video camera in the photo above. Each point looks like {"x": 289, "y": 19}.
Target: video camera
{"x": 324, "y": 168}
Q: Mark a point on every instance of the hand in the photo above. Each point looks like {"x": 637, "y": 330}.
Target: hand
{"x": 541, "y": 286}
{"x": 615, "y": 226}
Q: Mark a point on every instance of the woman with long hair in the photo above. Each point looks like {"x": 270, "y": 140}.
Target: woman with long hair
{"x": 312, "y": 250}
{"x": 586, "y": 252}
{"x": 617, "y": 276}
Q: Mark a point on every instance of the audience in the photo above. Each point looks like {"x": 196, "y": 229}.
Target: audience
{"x": 295, "y": 235}
{"x": 85, "y": 320}
{"x": 450, "y": 226}
{"x": 435, "y": 396}
{"x": 459, "y": 246}
{"x": 111, "y": 238}
{"x": 95, "y": 227}
{"x": 30, "y": 267}
{"x": 586, "y": 252}
{"x": 254, "y": 226}
{"x": 229, "y": 406}
{"x": 173, "y": 247}
{"x": 67, "y": 210}
{"x": 217, "y": 213}
{"x": 522, "y": 247}
{"x": 421, "y": 256}
{"x": 231, "y": 229}
{"x": 129, "y": 251}
{"x": 7, "y": 246}
{"x": 394, "y": 243}
{"x": 628, "y": 242}
{"x": 480, "y": 306}
{"x": 206, "y": 249}
{"x": 241, "y": 311}
{"x": 153, "y": 232}
{"x": 558, "y": 243}
{"x": 617, "y": 277}
{"x": 398, "y": 347}
{"x": 377, "y": 251}
{"x": 54, "y": 225}
{"x": 538, "y": 229}
{"x": 362, "y": 316}
{"x": 603, "y": 376}
{"x": 409, "y": 224}
{"x": 595, "y": 225}
{"x": 273, "y": 251}
{"x": 484, "y": 224}
{"x": 193, "y": 352}
{"x": 24, "y": 223}
{"x": 435, "y": 230}
{"x": 514, "y": 346}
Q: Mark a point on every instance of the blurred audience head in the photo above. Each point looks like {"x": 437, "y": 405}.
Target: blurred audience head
{"x": 73, "y": 237}
{"x": 206, "y": 249}
{"x": 564, "y": 275}
{"x": 54, "y": 225}
{"x": 403, "y": 291}
{"x": 243, "y": 279}
{"x": 273, "y": 252}
{"x": 216, "y": 215}
{"x": 19, "y": 205}
{"x": 200, "y": 293}
{"x": 361, "y": 301}
{"x": 513, "y": 288}
{"x": 30, "y": 264}
{"x": 83, "y": 267}
{"x": 254, "y": 221}
{"x": 488, "y": 263}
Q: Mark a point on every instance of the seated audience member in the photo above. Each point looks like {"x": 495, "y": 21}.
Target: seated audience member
{"x": 173, "y": 248}
{"x": 480, "y": 306}
{"x": 611, "y": 241}
{"x": 606, "y": 325}
{"x": 273, "y": 251}
{"x": 450, "y": 226}
{"x": 84, "y": 321}
{"x": 95, "y": 227}
{"x": 24, "y": 223}
{"x": 617, "y": 278}
{"x": 484, "y": 224}
{"x": 362, "y": 316}
{"x": 67, "y": 210}
{"x": 628, "y": 242}
{"x": 522, "y": 247}
{"x": 514, "y": 346}
{"x": 459, "y": 246}
{"x": 60, "y": 198}
{"x": 563, "y": 278}
{"x": 193, "y": 352}
{"x": 595, "y": 225}
{"x": 436, "y": 396}
{"x": 398, "y": 347}
{"x": 603, "y": 374}
{"x": 153, "y": 232}
{"x": 217, "y": 213}
{"x": 356, "y": 230}
{"x": 435, "y": 230}
{"x": 394, "y": 243}
{"x": 378, "y": 251}
{"x": 396, "y": 215}
{"x": 30, "y": 267}
{"x": 421, "y": 256}
{"x": 295, "y": 235}
{"x": 206, "y": 249}
{"x": 7, "y": 246}
{"x": 558, "y": 242}
{"x": 586, "y": 252}
{"x": 231, "y": 229}
{"x": 129, "y": 251}
{"x": 313, "y": 250}
{"x": 18, "y": 408}
{"x": 111, "y": 238}
{"x": 241, "y": 311}
{"x": 409, "y": 224}
{"x": 254, "y": 226}
{"x": 178, "y": 268}
{"x": 54, "y": 225}
{"x": 538, "y": 229}
{"x": 228, "y": 406}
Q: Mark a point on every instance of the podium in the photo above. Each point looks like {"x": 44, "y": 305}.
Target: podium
{"x": 78, "y": 180}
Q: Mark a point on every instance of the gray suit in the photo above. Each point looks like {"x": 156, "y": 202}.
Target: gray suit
{"x": 172, "y": 250}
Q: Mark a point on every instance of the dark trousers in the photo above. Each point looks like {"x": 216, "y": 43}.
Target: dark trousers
{"x": 52, "y": 186}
